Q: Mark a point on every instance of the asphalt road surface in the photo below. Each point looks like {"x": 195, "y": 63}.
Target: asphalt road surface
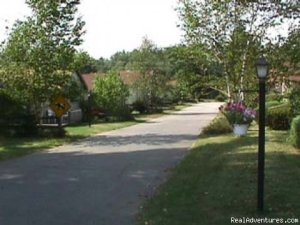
{"x": 102, "y": 180}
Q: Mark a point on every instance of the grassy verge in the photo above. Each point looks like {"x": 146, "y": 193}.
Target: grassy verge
{"x": 11, "y": 147}
{"x": 218, "y": 180}
{"x": 15, "y": 147}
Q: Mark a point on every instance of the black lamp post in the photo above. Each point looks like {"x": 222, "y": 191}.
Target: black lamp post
{"x": 262, "y": 73}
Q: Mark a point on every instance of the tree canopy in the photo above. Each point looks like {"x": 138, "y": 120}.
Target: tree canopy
{"x": 37, "y": 58}
{"x": 235, "y": 32}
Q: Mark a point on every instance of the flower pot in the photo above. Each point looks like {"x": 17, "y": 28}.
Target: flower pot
{"x": 240, "y": 129}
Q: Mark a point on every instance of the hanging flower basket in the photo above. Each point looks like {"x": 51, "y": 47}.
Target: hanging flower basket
{"x": 240, "y": 129}
{"x": 239, "y": 116}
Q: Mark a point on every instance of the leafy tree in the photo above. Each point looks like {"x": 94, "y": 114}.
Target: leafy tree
{"x": 119, "y": 61}
{"x": 111, "y": 94}
{"x": 192, "y": 69}
{"x": 234, "y": 32}
{"x": 291, "y": 48}
{"x": 153, "y": 65}
{"x": 84, "y": 63}
{"x": 37, "y": 59}
{"x": 102, "y": 65}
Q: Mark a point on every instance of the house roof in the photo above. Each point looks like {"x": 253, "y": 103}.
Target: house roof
{"x": 89, "y": 79}
{"x": 130, "y": 77}
{"x": 295, "y": 78}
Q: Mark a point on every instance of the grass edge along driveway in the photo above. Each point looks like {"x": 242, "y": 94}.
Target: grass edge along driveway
{"x": 217, "y": 181}
{"x": 16, "y": 147}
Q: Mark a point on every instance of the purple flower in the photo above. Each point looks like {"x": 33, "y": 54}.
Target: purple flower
{"x": 238, "y": 113}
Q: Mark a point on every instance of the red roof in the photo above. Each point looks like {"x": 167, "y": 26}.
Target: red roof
{"x": 128, "y": 77}
{"x": 89, "y": 79}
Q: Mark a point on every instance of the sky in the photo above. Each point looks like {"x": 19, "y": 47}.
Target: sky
{"x": 113, "y": 25}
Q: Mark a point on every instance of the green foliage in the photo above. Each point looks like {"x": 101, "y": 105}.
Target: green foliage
{"x": 279, "y": 117}
{"x": 231, "y": 33}
{"x": 294, "y": 135}
{"x": 295, "y": 101}
{"x": 84, "y": 63}
{"x": 189, "y": 85}
{"x": 103, "y": 65}
{"x": 118, "y": 62}
{"x": 190, "y": 66}
{"x": 273, "y": 97}
{"x": 15, "y": 118}
{"x": 221, "y": 98}
{"x": 291, "y": 48}
{"x": 37, "y": 58}
{"x": 151, "y": 91}
{"x": 192, "y": 70}
{"x": 110, "y": 94}
{"x": 219, "y": 125}
{"x": 271, "y": 104}
{"x": 152, "y": 86}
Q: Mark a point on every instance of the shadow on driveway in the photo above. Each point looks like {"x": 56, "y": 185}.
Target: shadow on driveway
{"x": 83, "y": 189}
{"x": 143, "y": 139}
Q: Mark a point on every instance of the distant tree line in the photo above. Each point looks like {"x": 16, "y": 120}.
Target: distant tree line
{"x": 223, "y": 39}
{"x": 188, "y": 65}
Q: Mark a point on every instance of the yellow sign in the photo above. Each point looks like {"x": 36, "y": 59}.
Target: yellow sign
{"x": 60, "y": 106}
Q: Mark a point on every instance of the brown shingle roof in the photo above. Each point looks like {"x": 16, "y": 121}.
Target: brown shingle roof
{"x": 89, "y": 79}
{"x": 128, "y": 77}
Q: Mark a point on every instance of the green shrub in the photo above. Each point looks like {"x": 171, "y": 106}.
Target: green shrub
{"x": 279, "y": 117}
{"x": 274, "y": 97}
{"x": 139, "y": 106}
{"x": 295, "y": 102}
{"x": 219, "y": 125}
{"x": 273, "y": 103}
{"x": 15, "y": 118}
{"x": 110, "y": 94}
{"x": 294, "y": 136}
{"x": 221, "y": 98}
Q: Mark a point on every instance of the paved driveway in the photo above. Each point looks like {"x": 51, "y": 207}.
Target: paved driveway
{"x": 101, "y": 180}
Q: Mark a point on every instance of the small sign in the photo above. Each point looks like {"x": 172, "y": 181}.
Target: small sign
{"x": 60, "y": 106}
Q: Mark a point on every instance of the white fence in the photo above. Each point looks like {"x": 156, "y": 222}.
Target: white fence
{"x": 74, "y": 116}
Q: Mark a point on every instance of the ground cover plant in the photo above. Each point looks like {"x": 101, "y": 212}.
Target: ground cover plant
{"x": 218, "y": 181}
{"x": 218, "y": 125}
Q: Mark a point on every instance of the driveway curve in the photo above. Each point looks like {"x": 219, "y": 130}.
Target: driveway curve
{"x": 102, "y": 180}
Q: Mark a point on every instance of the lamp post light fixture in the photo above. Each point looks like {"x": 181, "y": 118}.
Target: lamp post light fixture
{"x": 262, "y": 73}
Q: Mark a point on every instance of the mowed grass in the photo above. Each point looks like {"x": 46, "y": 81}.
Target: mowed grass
{"x": 218, "y": 181}
{"x": 11, "y": 147}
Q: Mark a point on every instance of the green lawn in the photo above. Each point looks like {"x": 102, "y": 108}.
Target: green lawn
{"x": 15, "y": 147}
{"x": 218, "y": 180}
